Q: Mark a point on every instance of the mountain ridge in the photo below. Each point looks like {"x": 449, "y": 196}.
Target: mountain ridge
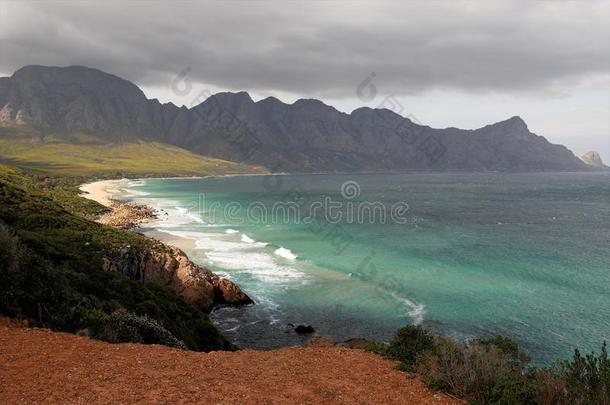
{"x": 305, "y": 136}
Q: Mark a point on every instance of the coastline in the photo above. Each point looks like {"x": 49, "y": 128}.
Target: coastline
{"x": 106, "y": 192}
{"x": 196, "y": 284}
{"x": 102, "y": 191}
{"x": 266, "y": 285}
{"x": 122, "y": 215}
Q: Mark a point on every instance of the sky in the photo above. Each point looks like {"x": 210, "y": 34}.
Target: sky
{"x": 458, "y": 63}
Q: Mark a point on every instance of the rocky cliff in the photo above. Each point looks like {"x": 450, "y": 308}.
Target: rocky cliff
{"x": 170, "y": 266}
{"x": 306, "y": 136}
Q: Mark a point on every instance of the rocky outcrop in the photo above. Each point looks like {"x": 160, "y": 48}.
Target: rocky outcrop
{"x": 593, "y": 159}
{"x": 170, "y": 266}
{"x": 304, "y": 329}
{"x": 127, "y": 215}
{"x": 306, "y": 136}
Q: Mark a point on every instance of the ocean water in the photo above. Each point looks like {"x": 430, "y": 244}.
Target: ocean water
{"x": 469, "y": 255}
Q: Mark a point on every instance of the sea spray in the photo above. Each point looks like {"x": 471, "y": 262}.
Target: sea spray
{"x": 285, "y": 253}
{"x": 245, "y": 238}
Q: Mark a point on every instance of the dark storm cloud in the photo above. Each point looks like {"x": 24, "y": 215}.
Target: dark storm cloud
{"x": 318, "y": 48}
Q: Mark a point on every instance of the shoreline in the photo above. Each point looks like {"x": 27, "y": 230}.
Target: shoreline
{"x": 123, "y": 215}
{"x": 111, "y": 187}
{"x": 128, "y": 215}
{"x": 102, "y": 191}
{"x": 195, "y": 283}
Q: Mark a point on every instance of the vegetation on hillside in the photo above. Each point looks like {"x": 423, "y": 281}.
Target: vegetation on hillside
{"x": 494, "y": 371}
{"x": 51, "y": 272}
{"x": 79, "y": 155}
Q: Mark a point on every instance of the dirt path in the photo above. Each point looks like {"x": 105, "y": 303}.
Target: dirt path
{"x": 39, "y": 366}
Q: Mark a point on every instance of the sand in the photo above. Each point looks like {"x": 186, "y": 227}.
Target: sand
{"x": 40, "y": 366}
{"x": 103, "y": 191}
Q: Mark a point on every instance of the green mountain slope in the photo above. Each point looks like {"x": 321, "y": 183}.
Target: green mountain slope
{"x": 81, "y": 155}
{"x": 51, "y": 272}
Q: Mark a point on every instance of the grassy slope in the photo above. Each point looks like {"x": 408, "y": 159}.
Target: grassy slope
{"x": 79, "y": 155}
{"x": 58, "y": 281}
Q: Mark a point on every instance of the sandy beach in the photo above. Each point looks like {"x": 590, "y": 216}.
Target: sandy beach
{"x": 122, "y": 216}
{"x": 103, "y": 191}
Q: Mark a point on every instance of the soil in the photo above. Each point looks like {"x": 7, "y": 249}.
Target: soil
{"x": 41, "y": 366}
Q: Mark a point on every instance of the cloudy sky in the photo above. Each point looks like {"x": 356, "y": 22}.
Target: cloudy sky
{"x": 442, "y": 63}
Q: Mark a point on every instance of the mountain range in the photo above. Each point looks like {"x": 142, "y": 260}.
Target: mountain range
{"x": 305, "y": 136}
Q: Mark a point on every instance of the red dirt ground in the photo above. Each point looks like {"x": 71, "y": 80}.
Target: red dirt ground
{"x": 40, "y": 366}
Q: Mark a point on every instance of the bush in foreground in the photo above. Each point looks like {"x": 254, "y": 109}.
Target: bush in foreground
{"x": 483, "y": 371}
{"x": 494, "y": 371}
{"x": 122, "y": 326}
{"x": 480, "y": 372}
{"x": 408, "y": 342}
{"x": 586, "y": 379}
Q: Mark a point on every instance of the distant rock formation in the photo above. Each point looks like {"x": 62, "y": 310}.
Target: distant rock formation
{"x": 306, "y": 136}
{"x": 304, "y": 329}
{"x": 594, "y": 159}
{"x": 170, "y": 266}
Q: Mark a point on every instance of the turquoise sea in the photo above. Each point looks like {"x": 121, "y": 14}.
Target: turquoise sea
{"x": 469, "y": 255}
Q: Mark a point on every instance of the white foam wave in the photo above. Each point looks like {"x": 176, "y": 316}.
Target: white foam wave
{"x": 187, "y": 213}
{"x": 417, "y": 311}
{"x": 136, "y": 193}
{"x": 182, "y": 234}
{"x": 245, "y": 238}
{"x": 236, "y": 257}
{"x": 177, "y": 216}
{"x": 195, "y": 218}
{"x": 285, "y": 253}
{"x": 239, "y": 258}
{"x": 260, "y": 266}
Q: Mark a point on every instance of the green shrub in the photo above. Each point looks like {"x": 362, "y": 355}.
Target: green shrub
{"x": 9, "y": 249}
{"x": 494, "y": 371}
{"x": 122, "y": 326}
{"x": 377, "y": 347}
{"x": 408, "y": 342}
{"x": 59, "y": 282}
{"x": 550, "y": 387}
{"x": 9, "y": 263}
{"x": 508, "y": 347}
{"x": 443, "y": 367}
{"x": 587, "y": 379}
{"x": 374, "y": 346}
{"x": 479, "y": 372}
